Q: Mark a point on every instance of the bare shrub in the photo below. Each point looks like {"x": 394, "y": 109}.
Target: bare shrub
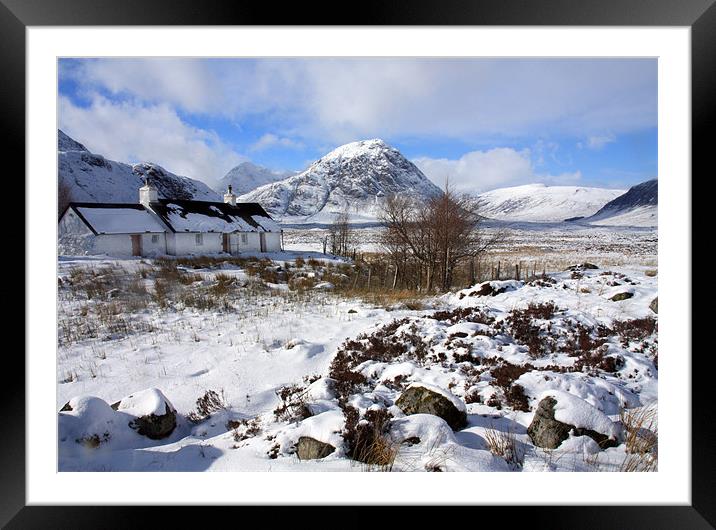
{"x": 294, "y": 405}
{"x": 367, "y": 441}
{"x": 210, "y": 403}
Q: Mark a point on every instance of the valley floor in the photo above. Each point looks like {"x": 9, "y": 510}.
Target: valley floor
{"x": 287, "y": 363}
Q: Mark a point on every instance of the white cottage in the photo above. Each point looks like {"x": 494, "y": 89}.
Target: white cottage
{"x": 167, "y": 226}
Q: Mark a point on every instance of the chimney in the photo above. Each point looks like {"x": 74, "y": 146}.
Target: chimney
{"x": 229, "y": 197}
{"x": 147, "y": 193}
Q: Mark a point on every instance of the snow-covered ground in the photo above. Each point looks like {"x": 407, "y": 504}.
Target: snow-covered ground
{"x": 286, "y": 364}
{"x": 550, "y": 245}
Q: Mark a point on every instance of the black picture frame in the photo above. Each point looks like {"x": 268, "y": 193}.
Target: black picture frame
{"x": 699, "y": 15}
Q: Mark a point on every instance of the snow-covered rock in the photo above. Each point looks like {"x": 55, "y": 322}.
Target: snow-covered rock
{"x": 355, "y": 177}
{"x": 155, "y": 416}
{"x": 423, "y": 398}
{"x": 560, "y": 413}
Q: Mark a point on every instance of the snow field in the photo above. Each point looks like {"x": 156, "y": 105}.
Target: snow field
{"x": 275, "y": 338}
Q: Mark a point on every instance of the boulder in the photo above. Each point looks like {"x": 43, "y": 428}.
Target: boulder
{"x": 654, "y": 305}
{"x": 311, "y": 449}
{"x": 424, "y": 399}
{"x": 621, "y": 296}
{"x": 548, "y": 432}
{"x": 154, "y": 415}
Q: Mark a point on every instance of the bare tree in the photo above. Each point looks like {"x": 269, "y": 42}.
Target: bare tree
{"x": 436, "y": 234}
{"x": 64, "y": 196}
{"x": 341, "y": 235}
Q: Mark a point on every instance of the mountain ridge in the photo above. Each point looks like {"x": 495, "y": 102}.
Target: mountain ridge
{"x": 91, "y": 177}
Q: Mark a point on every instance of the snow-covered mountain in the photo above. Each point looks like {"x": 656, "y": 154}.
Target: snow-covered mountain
{"x": 93, "y": 178}
{"x": 248, "y": 176}
{"x": 637, "y": 207}
{"x": 355, "y": 177}
{"x": 541, "y": 203}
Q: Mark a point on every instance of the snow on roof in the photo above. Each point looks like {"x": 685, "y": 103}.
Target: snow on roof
{"x": 178, "y": 215}
{"x": 118, "y": 218}
{"x": 201, "y": 216}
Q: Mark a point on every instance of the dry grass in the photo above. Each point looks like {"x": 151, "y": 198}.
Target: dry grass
{"x": 641, "y": 439}
{"x": 505, "y": 445}
{"x": 379, "y": 455}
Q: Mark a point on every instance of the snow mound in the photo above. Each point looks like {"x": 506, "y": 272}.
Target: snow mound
{"x": 145, "y": 403}
{"x": 430, "y": 429}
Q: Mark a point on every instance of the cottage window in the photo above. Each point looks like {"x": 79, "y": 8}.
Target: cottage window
{"x": 155, "y": 238}
{"x": 199, "y": 239}
{"x": 244, "y": 238}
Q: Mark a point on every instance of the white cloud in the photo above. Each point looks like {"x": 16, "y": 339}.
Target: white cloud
{"x": 345, "y": 99}
{"x": 479, "y": 171}
{"x": 270, "y": 140}
{"x": 598, "y": 142}
{"x": 133, "y": 132}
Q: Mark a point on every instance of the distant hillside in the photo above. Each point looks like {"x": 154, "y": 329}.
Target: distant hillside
{"x": 637, "y": 207}
{"x": 248, "y": 176}
{"x": 90, "y": 177}
{"x": 541, "y": 203}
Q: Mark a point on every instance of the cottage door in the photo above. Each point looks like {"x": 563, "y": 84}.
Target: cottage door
{"x": 136, "y": 245}
{"x": 225, "y": 243}
{"x": 262, "y": 237}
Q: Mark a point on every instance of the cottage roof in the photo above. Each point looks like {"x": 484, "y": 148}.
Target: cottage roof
{"x": 105, "y": 218}
{"x": 202, "y": 216}
{"x": 178, "y": 216}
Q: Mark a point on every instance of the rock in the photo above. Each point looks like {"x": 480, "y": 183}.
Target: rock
{"x": 423, "y": 400}
{"x": 621, "y": 296}
{"x": 154, "y": 415}
{"x": 582, "y": 266}
{"x": 155, "y": 427}
{"x": 654, "y": 305}
{"x": 66, "y": 407}
{"x": 545, "y": 431}
{"x": 311, "y": 449}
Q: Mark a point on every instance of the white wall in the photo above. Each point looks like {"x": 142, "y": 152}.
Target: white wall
{"x": 185, "y": 243}
{"x": 113, "y": 244}
{"x": 74, "y": 238}
{"x": 273, "y": 241}
{"x": 252, "y": 244}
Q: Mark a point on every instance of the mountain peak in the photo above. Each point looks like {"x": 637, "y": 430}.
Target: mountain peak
{"x": 354, "y": 177}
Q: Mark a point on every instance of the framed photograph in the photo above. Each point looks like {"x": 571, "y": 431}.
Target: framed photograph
{"x": 263, "y": 253}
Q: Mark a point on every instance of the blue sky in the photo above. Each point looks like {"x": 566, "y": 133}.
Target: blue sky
{"x": 482, "y": 123}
